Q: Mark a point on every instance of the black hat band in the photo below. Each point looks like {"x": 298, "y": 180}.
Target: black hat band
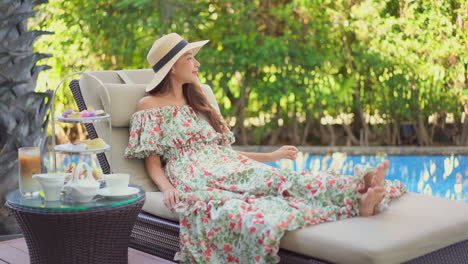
{"x": 169, "y": 55}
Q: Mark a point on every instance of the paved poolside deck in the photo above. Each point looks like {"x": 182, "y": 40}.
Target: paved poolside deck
{"x": 15, "y": 251}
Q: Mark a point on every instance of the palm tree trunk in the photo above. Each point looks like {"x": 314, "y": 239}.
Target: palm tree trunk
{"x": 23, "y": 113}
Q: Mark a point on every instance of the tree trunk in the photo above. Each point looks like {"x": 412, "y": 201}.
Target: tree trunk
{"x": 396, "y": 138}
{"x": 306, "y": 130}
{"x": 350, "y": 135}
{"x": 276, "y": 132}
{"x": 332, "y": 135}
{"x": 464, "y": 134}
{"x": 423, "y": 135}
{"x": 323, "y": 135}
{"x": 388, "y": 134}
{"x": 295, "y": 138}
{"x": 239, "y": 109}
{"x": 327, "y": 135}
{"x": 359, "y": 119}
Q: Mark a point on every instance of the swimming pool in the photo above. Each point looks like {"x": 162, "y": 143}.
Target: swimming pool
{"x": 443, "y": 176}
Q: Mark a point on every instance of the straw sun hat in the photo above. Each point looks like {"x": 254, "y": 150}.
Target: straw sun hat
{"x": 165, "y": 52}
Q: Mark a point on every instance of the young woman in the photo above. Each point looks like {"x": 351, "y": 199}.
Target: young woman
{"x": 233, "y": 208}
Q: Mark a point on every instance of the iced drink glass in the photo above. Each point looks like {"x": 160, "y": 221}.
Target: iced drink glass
{"x": 29, "y": 163}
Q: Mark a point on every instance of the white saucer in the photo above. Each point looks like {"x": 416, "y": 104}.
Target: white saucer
{"x": 106, "y": 192}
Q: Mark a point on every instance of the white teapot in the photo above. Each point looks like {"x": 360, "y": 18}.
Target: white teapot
{"x": 82, "y": 190}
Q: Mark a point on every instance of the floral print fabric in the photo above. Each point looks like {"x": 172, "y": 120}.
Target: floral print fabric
{"x": 234, "y": 209}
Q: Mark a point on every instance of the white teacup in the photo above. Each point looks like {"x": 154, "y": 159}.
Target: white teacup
{"x": 117, "y": 182}
{"x": 52, "y": 184}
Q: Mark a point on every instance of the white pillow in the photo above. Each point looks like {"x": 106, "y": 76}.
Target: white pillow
{"x": 124, "y": 99}
{"x": 210, "y": 96}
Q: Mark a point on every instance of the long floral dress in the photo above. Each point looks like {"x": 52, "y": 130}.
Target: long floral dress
{"x": 234, "y": 209}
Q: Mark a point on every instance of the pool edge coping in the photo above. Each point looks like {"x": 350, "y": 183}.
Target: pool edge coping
{"x": 371, "y": 150}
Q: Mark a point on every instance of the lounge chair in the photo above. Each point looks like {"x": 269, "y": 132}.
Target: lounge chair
{"x": 414, "y": 229}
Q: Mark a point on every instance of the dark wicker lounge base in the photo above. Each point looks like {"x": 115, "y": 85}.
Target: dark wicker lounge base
{"x": 160, "y": 237}
{"x": 98, "y": 235}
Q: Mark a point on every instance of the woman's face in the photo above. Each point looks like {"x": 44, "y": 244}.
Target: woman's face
{"x": 185, "y": 70}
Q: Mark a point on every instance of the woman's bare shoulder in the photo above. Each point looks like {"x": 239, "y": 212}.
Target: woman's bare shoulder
{"x": 151, "y": 101}
{"x": 148, "y": 102}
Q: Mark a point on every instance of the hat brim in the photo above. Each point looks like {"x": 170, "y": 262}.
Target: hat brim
{"x": 195, "y": 46}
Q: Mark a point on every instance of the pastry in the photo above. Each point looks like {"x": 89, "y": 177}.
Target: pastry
{"x": 100, "y": 112}
{"x": 85, "y": 113}
{"x": 90, "y": 112}
{"x": 67, "y": 112}
{"x": 74, "y": 116}
{"x": 97, "y": 143}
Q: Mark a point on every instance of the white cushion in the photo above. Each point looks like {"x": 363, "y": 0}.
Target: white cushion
{"x": 210, "y": 96}
{"x": 154, "y": 205}
{"x": 123, "y": 101}
{"x": 138, "y": 76}
{"x": 412, "y": 226}
{"x": 124, "y": 77}
{"x": 134, "y": 167}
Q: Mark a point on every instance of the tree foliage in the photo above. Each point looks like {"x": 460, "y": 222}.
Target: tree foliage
{"x": 291, "y": 71}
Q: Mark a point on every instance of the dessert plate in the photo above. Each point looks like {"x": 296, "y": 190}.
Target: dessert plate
{"x": 73, "y": 148}
{"x": 106, "y": 192}
{"x": 81, "y": 119}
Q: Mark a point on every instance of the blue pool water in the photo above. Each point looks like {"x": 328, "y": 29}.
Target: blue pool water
{"x": 66, "y": 162}
{"x": 443, "y": 176}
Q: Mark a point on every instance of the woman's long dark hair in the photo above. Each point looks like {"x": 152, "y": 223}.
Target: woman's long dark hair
{"x": 196, "y": 99}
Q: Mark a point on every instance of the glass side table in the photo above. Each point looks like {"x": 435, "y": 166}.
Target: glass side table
{"x": 69, "y": 232}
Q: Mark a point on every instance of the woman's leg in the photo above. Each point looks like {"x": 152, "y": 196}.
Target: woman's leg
{"x": 362, "y": 194}
{"x": 335, "y": 196}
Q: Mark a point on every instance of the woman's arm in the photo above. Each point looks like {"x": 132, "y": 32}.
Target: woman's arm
{"x": 154, "y": 168}
{"x": 260, "y": 157}
{"x": 155, "y": 171}
{"x": 285, "y": 152}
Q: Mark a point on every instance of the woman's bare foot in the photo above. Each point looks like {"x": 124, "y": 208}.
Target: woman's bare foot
{"x": 375, "y": 178}
{"x": 380, "y": 173}
{"x": 367, "y": 181}
{"x": 370, "y": 200}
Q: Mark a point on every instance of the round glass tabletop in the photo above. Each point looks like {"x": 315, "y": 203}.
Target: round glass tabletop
{"x": 103, "y": 199}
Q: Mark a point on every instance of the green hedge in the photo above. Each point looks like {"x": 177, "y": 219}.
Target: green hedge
{"x": 289, "y": 63}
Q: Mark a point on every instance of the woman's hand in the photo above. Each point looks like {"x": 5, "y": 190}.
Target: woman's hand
{"x": 171, "y": 197}
{"x": 285, "y": 152}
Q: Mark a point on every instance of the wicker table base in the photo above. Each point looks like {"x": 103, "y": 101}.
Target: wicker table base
{"x": 99, "y": 235}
